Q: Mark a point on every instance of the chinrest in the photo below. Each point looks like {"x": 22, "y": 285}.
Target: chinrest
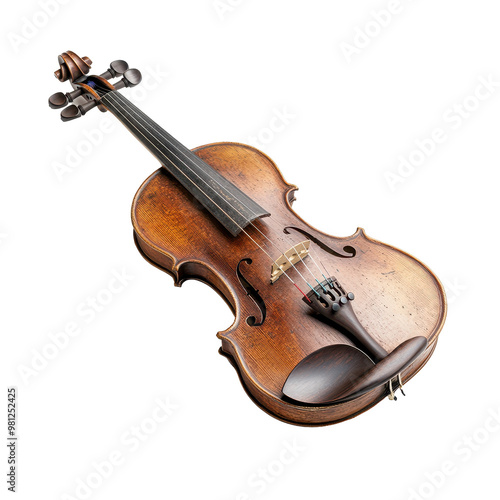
{"x": 340, "y": 373}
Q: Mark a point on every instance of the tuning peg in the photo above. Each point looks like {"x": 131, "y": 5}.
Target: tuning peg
{"x": 84, "y": 108}
{"x": 70, "y": 113}
{"x": 73, "y": 111}
{"x": 59, "y": 100}
{"x": 131, "y": 78}
{"x": 73, "y": 95}
{"x": 116, "y": 68}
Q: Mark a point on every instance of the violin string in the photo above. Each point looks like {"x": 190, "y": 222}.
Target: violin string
{"x": 245, "y": 232}
{"x": 312, "y": 274}
{"x": 311, "y": 254}
{"x": 242, "y": 202}
{"x": 152, "y": 125}
{"x": 329, "y": 279}
{"x": 223, "y": 187}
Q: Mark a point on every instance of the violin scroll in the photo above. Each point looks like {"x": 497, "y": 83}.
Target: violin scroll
{"x": 72, "y": 67}
{"x": 90, "y": 89}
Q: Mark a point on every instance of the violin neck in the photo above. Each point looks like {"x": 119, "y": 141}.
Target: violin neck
{"x": 228, "y": 204}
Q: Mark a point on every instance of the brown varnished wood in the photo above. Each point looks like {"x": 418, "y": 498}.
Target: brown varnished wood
{"x": 72, "y": 66}
{"x": 397, "y": 297}
{"x": 193, "y": 219}
{"x": 338, "y": 372}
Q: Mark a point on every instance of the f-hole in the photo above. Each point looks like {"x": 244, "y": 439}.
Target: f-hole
{"x": 350, "y": 251}
{"x": 253, "y": 293}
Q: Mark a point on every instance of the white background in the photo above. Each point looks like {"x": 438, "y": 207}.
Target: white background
{"x": 218, "y": 74}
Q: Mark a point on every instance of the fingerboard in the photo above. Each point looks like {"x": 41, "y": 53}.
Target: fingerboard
{"x": 227, "y": 203}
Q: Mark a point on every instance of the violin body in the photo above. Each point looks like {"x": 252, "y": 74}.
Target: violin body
{"x": 368, "y": 315}
{"x": 397, "y": 297}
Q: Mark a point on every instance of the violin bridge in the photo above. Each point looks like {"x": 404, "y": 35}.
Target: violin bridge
{"x": 283, "y": 263}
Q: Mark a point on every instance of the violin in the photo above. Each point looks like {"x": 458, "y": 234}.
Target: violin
{"x": 325, "y": 327}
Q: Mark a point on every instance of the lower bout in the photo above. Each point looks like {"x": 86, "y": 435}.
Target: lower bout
{"x": 314, "y": 416}
{"x": 273, "y": 404}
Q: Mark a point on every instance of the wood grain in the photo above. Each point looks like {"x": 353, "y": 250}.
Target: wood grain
{"x": 397, "y": 297}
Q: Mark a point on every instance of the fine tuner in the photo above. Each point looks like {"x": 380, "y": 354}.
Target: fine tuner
{"x": 74, "y": 69}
